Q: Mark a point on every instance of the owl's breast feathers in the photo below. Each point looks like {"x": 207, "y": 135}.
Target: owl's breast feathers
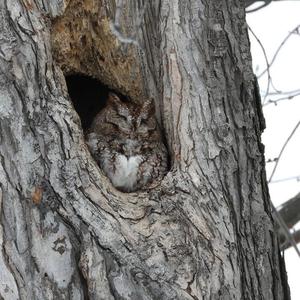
{"x": 124, "y": 175}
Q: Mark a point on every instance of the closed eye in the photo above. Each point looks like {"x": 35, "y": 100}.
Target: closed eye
{"x": 113, "y": 123}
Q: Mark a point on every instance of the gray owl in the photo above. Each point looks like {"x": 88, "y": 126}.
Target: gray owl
{"x": 126, "y": 142}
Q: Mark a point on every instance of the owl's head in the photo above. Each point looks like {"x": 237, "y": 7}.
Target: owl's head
{"x": 129, "y": 120}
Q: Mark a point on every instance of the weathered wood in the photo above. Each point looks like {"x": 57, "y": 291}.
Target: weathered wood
{"x": 206, "y": 232}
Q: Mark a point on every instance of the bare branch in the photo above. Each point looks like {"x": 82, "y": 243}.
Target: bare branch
{"x": 270, "y": 101}
{"x": 295, "y": 30}
{"x": 267, "y": 70}
{"x": 283, "y": 230}
{"x": 290, "y": 211}
{"x": 284, "y": 93}
{"x": 286, "y": 179}
{"x": 284, "y": 245}
{"x": 282, "y": 150}
{"x": 266, "y": 59}
{"x": 248, "y": 3}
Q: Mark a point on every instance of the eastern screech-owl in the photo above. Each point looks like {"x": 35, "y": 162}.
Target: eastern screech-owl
{"x": 126, "y": 142}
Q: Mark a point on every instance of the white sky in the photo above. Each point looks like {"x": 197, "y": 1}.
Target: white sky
{"x": 271, "y": 25}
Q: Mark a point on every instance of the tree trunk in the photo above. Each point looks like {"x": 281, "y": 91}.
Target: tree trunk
{"x": 206, "y": 231}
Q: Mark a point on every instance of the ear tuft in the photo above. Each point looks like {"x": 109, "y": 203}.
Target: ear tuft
{"x": 113, "y": 99}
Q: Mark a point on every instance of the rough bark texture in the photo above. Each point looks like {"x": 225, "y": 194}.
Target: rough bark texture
{"x": 83, "y": 43}
{"x": 206, "y": 232}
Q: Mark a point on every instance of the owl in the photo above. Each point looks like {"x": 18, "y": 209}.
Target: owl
{"x": 126, "y": 142}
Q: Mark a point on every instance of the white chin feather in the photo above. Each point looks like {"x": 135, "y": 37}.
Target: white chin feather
{"x": 125, "y": 175}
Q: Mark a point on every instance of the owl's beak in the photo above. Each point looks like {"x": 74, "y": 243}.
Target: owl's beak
{"x": 131, "y": 148}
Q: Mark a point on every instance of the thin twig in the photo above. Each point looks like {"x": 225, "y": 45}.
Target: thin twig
{"x": 295, "y": 30}
{"x": 286, "y": 179}
{"x": 266, "y": 59}
{"x": 282, "y": 150}
{"x": 270, "y": 101}
{"x": 284, "y": 93}
{"x": 285, "y": 229}
{"x": 296, "y": 237}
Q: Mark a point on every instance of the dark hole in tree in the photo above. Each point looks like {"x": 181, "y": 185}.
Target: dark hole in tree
{"x": 88, "y": 96}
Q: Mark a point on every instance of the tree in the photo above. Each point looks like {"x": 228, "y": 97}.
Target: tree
{"x": 206, "y": 232}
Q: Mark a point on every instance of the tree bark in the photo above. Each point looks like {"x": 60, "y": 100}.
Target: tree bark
{"x": 206, "y": 231}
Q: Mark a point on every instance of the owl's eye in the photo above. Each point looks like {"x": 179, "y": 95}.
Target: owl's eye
{"x": 112, "y": 122}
